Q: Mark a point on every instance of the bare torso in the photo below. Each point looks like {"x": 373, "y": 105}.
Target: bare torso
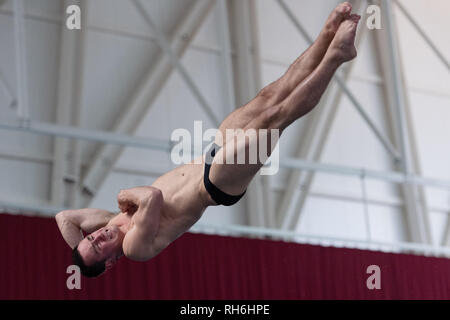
{"x": 185, "y": 200}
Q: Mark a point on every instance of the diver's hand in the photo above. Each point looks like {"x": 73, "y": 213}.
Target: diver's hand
{"x": 130, "y": 200}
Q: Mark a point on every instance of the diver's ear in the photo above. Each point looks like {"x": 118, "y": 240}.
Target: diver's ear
{"x": 110, "y": 262}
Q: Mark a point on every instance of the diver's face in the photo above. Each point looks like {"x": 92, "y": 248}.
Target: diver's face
{"x": 105, "y": 244}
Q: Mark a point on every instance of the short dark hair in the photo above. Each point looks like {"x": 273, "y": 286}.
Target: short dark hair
{"x": 88, "y": 271}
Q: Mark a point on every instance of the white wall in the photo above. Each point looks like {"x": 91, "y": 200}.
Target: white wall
{"x": 120, "y": 49}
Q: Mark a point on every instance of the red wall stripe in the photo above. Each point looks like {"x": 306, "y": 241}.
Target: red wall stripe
{"x": 34, "y": 259}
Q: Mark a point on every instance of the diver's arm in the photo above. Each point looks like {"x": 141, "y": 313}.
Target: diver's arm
{"x": 139, "y": 244}
{"x": 71, "y": 223}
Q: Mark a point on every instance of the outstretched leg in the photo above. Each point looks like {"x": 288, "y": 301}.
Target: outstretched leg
{"x": 297, "y": 72}
{"x": 234, "y": 178}
{"x": 307, "y": 95}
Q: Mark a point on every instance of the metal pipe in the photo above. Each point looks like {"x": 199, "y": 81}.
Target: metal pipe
{"x": 231, "y": 230}
{"x": 50, "y": 129}
{"x": 365, "y": 207}
{"x": 384, "y": 141}
{"x": 166, "y": 146}
{"x": 227, "y": 64}
{"x": 21, "y": 61}
{"x": 323, "y": 240}
{"x": 418, "y": 223}
{"x": 7, "y": 91}
{"x": 391, "y": 176}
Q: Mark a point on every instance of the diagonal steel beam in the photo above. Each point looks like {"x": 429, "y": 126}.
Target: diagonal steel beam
{"x": 141, "y": 100}
{"x": 313, "y": 143}
{"x": 359, "y": 108}
{"x": 165, "y": 46}
{"x": 317, "y": 132}
{"x": 422, "y": 33}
